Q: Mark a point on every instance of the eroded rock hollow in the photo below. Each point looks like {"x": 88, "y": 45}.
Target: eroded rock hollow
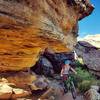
{"x": 29, "y": 26}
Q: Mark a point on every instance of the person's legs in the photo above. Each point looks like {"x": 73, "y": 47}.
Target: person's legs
{"x": 65, "y": 83}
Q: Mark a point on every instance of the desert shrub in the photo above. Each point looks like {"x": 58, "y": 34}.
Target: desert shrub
{"x": 84, "y": 86}
{"x": 83, "y": 74}
{"x": 84, "y": 79}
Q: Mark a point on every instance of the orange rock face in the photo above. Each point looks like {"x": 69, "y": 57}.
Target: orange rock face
{"x": 20, "y": 49}
{"x": 27, "y": 27}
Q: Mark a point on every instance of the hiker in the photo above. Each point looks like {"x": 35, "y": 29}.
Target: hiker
{"x": 65, "y": 72}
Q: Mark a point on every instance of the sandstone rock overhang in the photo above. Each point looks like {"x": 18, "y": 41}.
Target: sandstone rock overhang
{"x": 83, "y": 6}
{"x": 29, "y": 26}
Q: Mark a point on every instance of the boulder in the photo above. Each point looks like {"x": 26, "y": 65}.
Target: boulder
{"x": 29, "y": 26}
{"x": 43, "y": 67}
{"x": 40, "y": 84}
{"x": 20, "y": 79}
{"x": 21, "y": 85}
{"x": 92, "y": 39}
{"x": 25, "y": 85}
{"x": 54, "y": 92}
{"x": 10, "y": 91}
{"x": 92, "y": 94}
{"x": 90, "y": 55}
{"x": 45, "y": 88}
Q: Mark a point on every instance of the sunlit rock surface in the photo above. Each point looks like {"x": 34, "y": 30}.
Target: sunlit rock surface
{"x": 29, "y": 26}
{"x": 90, "y": 55}
{"x": 92, "y": 39}
{"x": 11, "y": 91}
{"x": 92, "y": 93}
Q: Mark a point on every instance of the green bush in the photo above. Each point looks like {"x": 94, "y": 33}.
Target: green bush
{"x": 84, "y": 79}
{"x": 84, "y": 86}
{"x": 83, "y": 74}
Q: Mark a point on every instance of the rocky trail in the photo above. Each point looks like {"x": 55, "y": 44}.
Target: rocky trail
{"x": 68, "y": 96}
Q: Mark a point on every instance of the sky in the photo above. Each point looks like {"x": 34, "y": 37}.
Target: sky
{"x": 91, "y": 25}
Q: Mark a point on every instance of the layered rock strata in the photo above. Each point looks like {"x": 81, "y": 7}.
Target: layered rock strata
{"x": 29, "y": 26}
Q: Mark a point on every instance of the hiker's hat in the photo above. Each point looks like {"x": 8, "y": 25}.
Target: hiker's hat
{"x": 67, "y": 61}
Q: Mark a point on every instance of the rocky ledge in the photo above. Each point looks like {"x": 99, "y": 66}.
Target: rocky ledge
{"x": 90, "y": 55}
{"x": 29, "y": 26}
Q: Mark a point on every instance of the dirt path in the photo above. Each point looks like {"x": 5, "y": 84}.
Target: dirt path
{"x": 68, "y": 96}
